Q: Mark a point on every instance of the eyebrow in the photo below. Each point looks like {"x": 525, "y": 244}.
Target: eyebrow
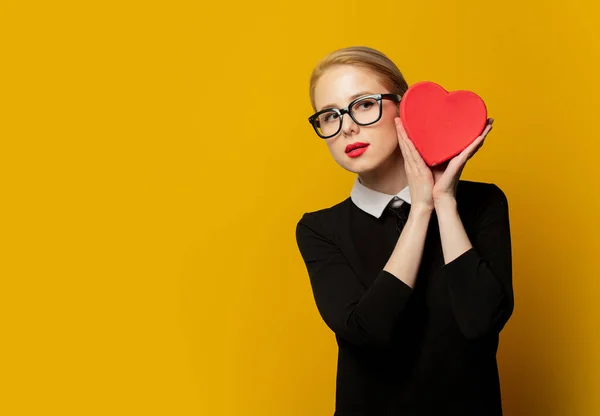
{"x": 352, "y": 97}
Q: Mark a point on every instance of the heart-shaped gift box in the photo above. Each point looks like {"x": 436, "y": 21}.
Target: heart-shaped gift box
{"x": 441, "y": 124}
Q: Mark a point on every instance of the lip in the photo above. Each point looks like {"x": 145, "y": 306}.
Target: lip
{"x": 356, "y": 145}
{"x": 357, "y": 152}
{"x": 356, "y": 149}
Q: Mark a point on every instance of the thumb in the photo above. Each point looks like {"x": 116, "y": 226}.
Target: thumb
{"x": 400, "y": 127}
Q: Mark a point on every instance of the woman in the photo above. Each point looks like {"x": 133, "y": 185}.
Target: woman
{"x": 412, "y": 272}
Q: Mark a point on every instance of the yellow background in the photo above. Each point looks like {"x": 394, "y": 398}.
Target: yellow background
{"x": 155, "y": 158}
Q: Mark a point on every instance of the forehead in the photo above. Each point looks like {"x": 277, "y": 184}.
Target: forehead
{"x": 338, "y": 84}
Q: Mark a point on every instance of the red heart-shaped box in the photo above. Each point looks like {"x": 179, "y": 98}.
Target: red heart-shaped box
{"x": 441, "y": 124}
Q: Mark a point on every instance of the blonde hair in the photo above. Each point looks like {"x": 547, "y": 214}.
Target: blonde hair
{"x": 375, "y": 61}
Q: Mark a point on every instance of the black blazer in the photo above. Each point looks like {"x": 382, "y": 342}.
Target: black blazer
{"x": 426, "y": 350}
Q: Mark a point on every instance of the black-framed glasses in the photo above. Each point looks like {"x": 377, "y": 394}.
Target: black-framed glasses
{"x": 364, "y": 110}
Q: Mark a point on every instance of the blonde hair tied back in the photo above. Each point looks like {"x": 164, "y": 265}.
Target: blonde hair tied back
{"x": 371, "y": 59}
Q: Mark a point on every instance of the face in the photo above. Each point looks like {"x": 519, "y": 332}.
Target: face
{"x": 337, "y": 87}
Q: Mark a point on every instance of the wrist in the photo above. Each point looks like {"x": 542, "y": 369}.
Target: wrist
{"x": 422, "y": 210}
{"x": 446, "y": 202}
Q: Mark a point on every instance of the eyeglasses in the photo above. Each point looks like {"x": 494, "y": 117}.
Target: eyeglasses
{"x": 364, "y": 110}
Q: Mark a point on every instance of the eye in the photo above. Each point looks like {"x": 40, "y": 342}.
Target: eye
{"x": 329, "y": 117}
{"x": 365, "y": 105}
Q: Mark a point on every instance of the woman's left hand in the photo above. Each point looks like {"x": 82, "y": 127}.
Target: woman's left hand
{"x": 447, "y": 175}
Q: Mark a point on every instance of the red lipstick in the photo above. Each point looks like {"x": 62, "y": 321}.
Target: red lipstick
{"x": 356, "y": 149}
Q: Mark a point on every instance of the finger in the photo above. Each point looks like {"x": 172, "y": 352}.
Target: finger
{"x": 400, "y": 128}
{"x": 407, "y": 146}
{"x": 476, "y": 149}
{"x": 405, "y": 155}
{"x": 455, "y": 167}
{"x": 459, "y": 161}
{"x": 487, "y": 129}
{"x": 475, "y": 145}
{"x": 470, "y": 155}
{"x": 470, "y": 151}
{"x": 408, "y": 160}
{"x": 413, "y": 157}
{"x": 403, "y": 141}
{"x": 401, "y": 135}
{"x": 402, "y": 146}
{"x": 418, "y": 161}
{"x": 480, "y": 145}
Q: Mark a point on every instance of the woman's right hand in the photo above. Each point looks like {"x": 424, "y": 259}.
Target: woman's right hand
{"x": 418, "y": 174}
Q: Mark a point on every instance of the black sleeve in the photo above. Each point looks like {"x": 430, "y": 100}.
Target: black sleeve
{"x": 364, "y": 317}
{"x": 480, "y": 280}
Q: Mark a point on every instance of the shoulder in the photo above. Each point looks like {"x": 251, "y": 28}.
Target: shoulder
{"x": 473, "y": 192}
{"x": 326, "y": 218}
{"x": 476, "y": 198}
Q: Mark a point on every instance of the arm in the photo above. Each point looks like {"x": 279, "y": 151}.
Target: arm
{"x": 479, "y": 275}
{"x": 410, "y": 246}
{"x": 455, "y": 241}
{"x": 362, "y": 316}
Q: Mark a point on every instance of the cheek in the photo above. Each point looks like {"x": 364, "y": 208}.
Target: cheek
{"x": 334, "y": 149}
{"x": 387, "y": 134}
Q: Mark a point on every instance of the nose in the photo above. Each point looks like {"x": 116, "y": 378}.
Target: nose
{"x": 348, "y": 125}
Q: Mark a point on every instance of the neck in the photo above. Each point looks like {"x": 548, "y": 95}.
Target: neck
{"x": 389, "y": 178}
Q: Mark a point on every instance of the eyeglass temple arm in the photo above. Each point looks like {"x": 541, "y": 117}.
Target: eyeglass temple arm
{"x": 396, "y": 96}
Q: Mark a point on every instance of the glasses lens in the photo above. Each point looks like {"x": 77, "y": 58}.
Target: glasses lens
{"x": 366, "y": 111}
{"x": 328, "y": 123}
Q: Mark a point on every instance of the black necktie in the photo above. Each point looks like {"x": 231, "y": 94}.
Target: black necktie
{"x": 401, "y": 212}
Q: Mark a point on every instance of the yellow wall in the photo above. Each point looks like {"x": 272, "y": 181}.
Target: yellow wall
{"x": 154, "y": 160}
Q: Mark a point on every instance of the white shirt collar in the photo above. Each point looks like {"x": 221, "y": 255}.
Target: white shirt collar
{"x": 374, "y": 202}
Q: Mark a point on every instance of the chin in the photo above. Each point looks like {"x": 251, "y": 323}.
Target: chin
{"x": 360, "y": 166}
